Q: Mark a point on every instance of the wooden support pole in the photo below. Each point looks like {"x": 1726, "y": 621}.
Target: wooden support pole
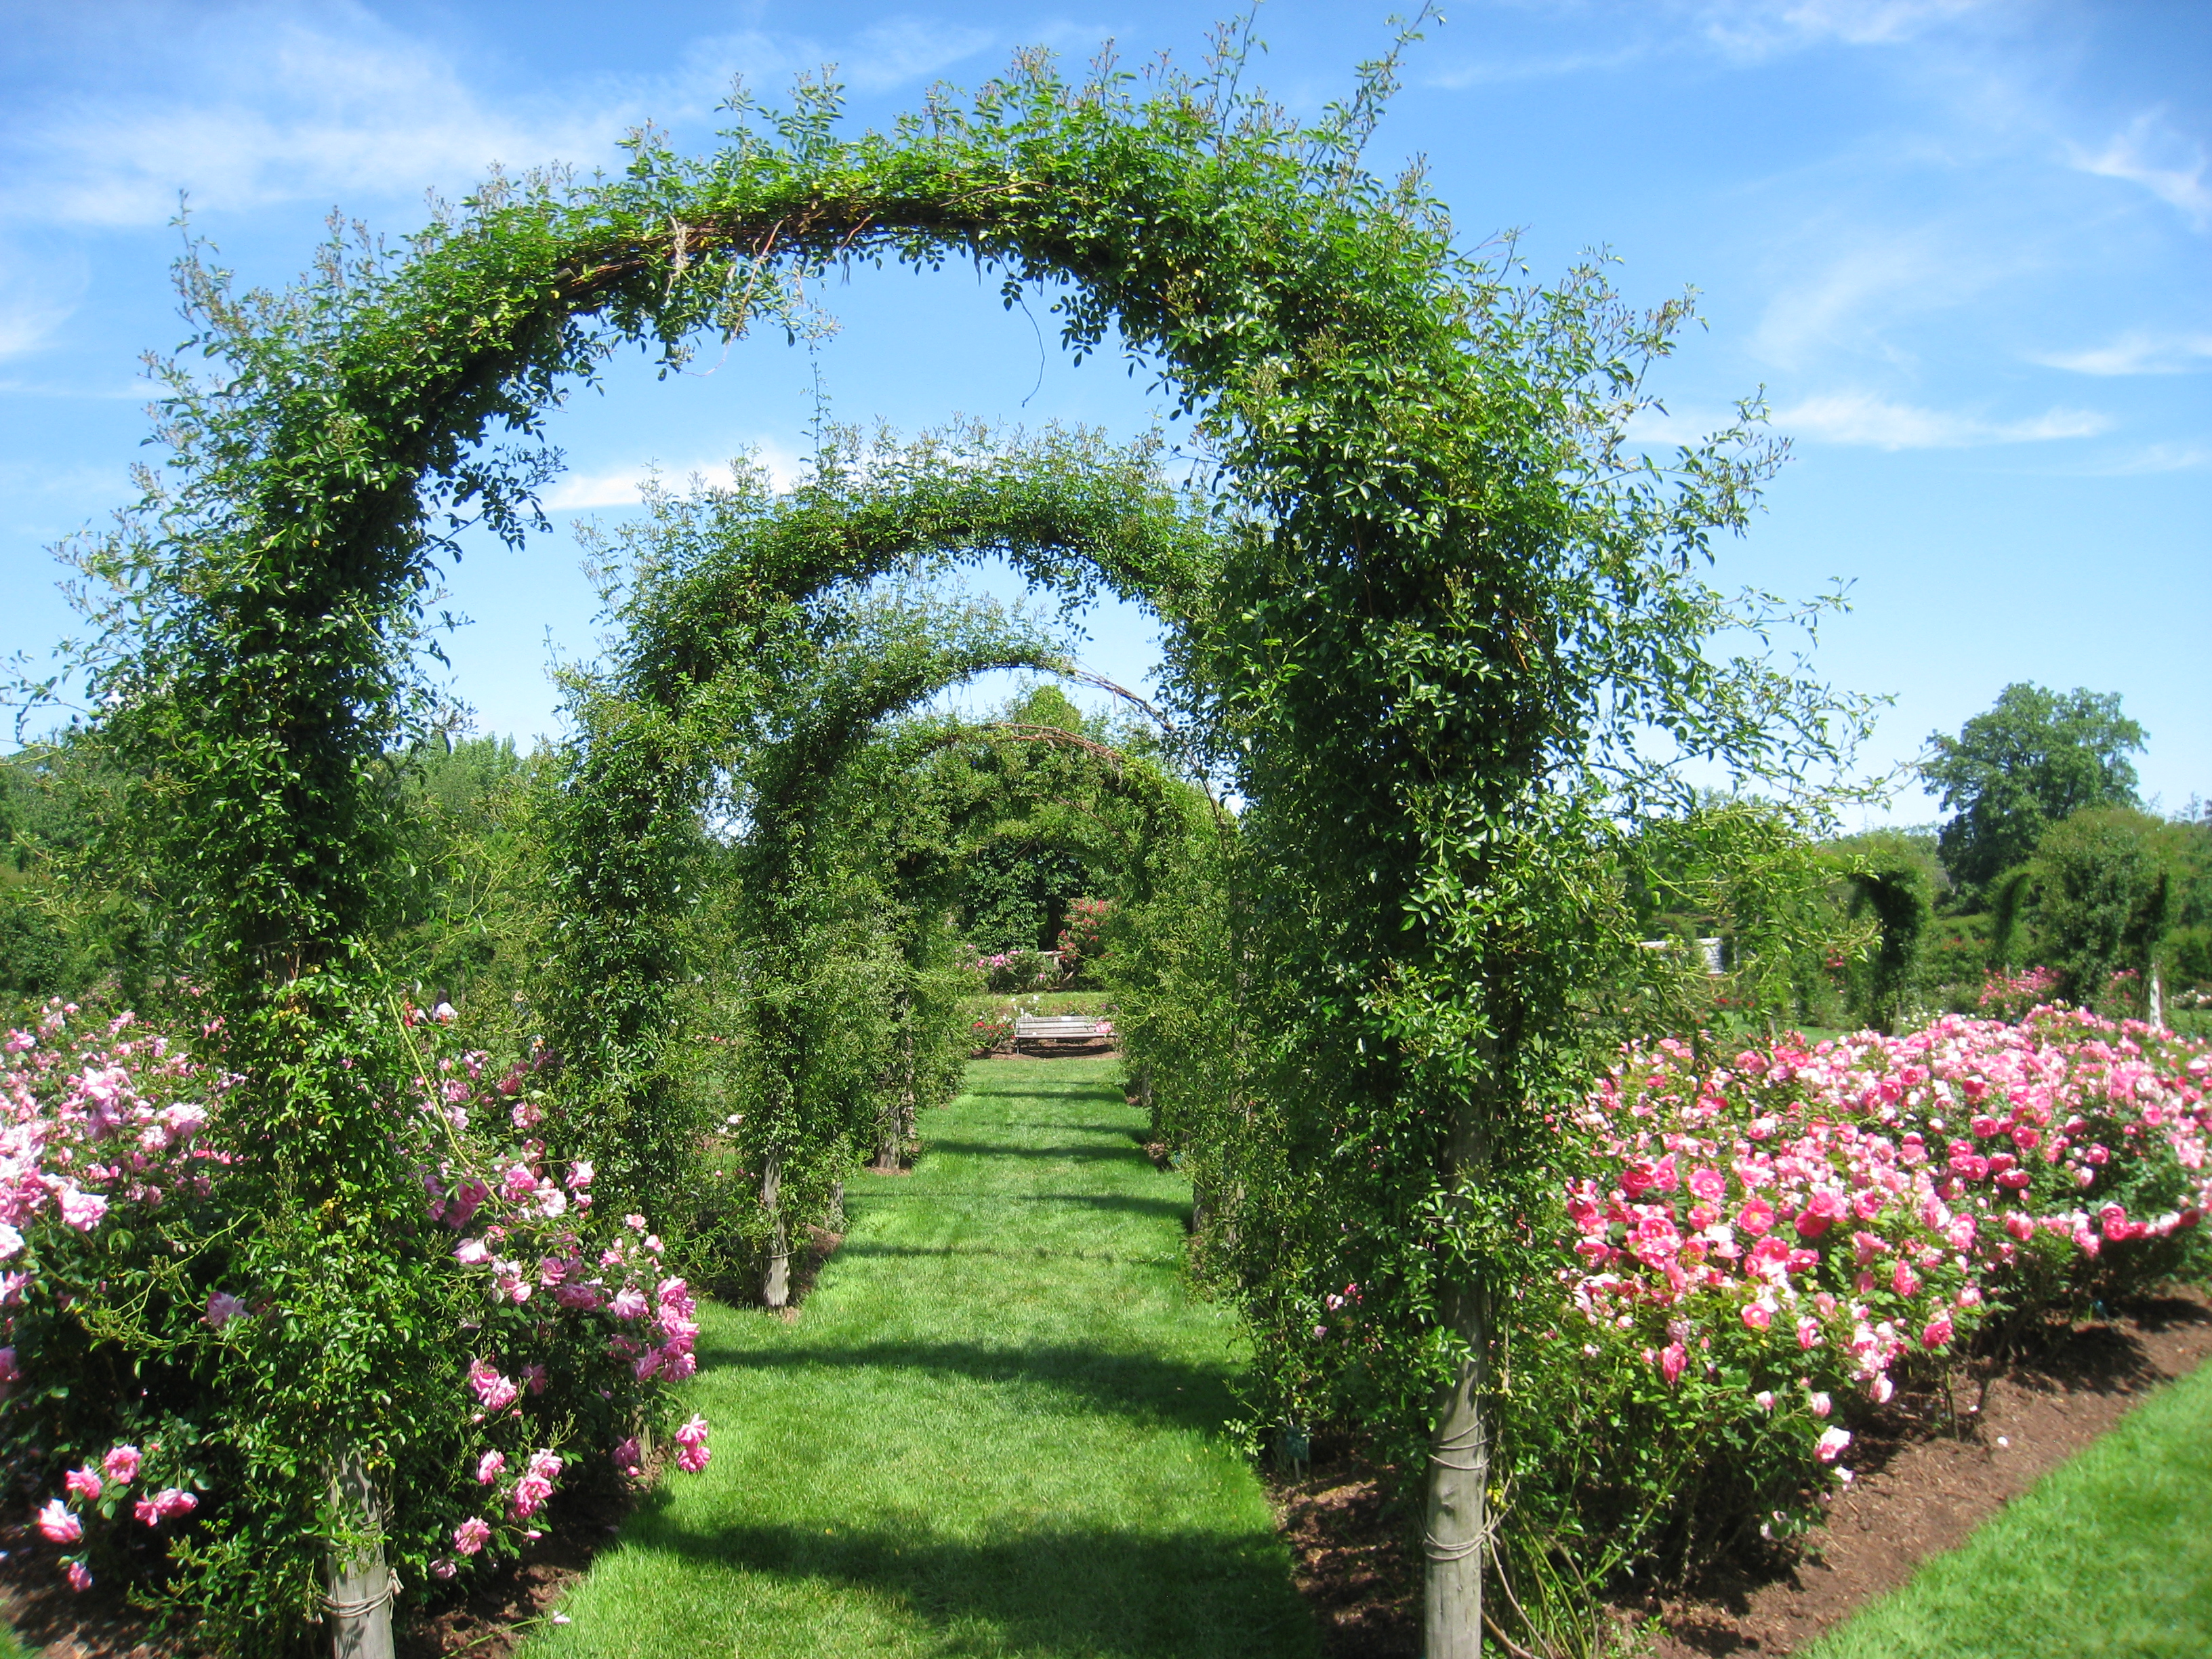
{"x": 361, "y": 1584}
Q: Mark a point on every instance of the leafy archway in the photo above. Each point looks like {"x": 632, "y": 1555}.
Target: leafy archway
{"x": 1450, "y": 603}
{"x": 749, "y": 644}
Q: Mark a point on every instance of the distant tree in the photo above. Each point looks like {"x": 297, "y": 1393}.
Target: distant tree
{"x": 2103, "y": 897}
{"x": 2036, "y": 758}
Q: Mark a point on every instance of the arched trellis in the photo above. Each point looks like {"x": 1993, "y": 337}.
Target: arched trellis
{"x": 1447, "y": 585}
{"x": 728, "y": 654}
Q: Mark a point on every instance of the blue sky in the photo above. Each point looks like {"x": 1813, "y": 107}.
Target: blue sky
{"x": 1965, "y": 248}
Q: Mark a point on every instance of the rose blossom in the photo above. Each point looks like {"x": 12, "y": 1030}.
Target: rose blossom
{"x": 691, "y": 1450}
{"x": 57, "y": 1525}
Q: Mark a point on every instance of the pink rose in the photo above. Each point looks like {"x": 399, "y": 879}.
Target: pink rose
{"x": 1756, "y": 1317}
{"x": 1756, "y": 1216}
{"x": 57, "y": 1525}
{"x": 1821, "y": 1212}
{"x": 222, "y": 1307}
{"x": 489, "y": 1465}
{"x": 691, "y": 1451}
{"x": 1672, "y": 1359}
{"x": 121, "y": 1464}
{"x": 471, "y": 1535}
{"x": 1938, "y": 1332}
{"x": 1830, "y": 1446}
{"x": 80, "y": 1576}
{"x": 490, "y": 1387}
{"x": 82, "y": 1483}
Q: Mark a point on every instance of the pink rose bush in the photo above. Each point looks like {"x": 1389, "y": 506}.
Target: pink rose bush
{"x": 1754, "y": 1242}
{"x": 104, "y": 1130}
{"x": 552, "y": 1334}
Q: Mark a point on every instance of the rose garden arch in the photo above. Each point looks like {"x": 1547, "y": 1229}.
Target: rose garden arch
{"x": 727, "y": 656}
{"x": 1435, "y": 594}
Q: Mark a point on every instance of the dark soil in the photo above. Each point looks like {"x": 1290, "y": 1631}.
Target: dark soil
{"x": 1351, "y": 1557}
{"x": 1926, "y": 1478}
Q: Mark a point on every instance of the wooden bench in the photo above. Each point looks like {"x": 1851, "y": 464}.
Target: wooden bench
{"x": 1061, "y": 1027}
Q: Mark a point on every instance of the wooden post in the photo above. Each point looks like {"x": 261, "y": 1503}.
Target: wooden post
{"x": 2157, "y": 1014}
{"x": 362, "y": 1584}
{"x": 776, "y": 1284}
{"x": 1456, "y": 1527}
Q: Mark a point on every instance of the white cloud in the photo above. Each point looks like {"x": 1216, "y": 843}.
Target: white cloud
{"x": 38, "y": 293}
{"x": 2149, "y": 153}
{"x": 1862, "y": 418}
{"x": 2137, "y": 353}
{"x": 334, "y": 104}
{"x": 625, "y": 486}
{"x": 282, "y": 111}
{"x": 1762, "y": 28}
{"x": 1842, "y": 301}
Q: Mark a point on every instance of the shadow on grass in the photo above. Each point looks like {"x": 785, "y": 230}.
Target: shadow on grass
{"x": 1042, "y": 1590}
{"x": 1174, "y": 1209}
{"x": 1143, "y": 1387}
{"x": 1106, "y": 1153}
{"x": 1007, "y": 1253}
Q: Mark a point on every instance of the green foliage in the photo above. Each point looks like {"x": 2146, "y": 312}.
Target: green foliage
{"x": 1752, "y": 874}
{"x": 2102, "y": 899}
{"x": 761, "y": 657}
{"x": 2033, "y": 759}
{"x": 1892, "y": 878}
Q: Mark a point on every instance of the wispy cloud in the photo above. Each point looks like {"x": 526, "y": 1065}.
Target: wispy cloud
{"x": 38, "y": 293}
{"x": 1865, "y": 418}
{"x": 1843, "y": 301}
{"x": 2149, "y": 153}
{"x": 283, "y": 111}
{"x": 334, "y": 104}
{"x": 625, "y": 486}
{"x": 2137, "y": 353}
{"x": 1762, "y": 29}
{"x": 2182, "y": 457}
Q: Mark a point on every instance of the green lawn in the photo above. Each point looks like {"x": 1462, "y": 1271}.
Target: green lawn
{"x": 993, "y": 1429}
{"x": 2109, "y": 1556}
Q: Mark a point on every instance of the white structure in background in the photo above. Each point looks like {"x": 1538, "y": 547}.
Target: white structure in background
{"x": 1710, "y": 949}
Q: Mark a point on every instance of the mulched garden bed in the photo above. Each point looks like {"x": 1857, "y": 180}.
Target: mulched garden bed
{"x": 1924, "y": 1482}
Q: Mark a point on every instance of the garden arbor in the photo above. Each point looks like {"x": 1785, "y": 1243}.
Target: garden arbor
{"x": 1443, "y": 591}
{"x": 755, "y": 662}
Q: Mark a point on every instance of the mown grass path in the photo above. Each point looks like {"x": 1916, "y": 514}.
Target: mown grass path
{"x": 993, "y": 1429}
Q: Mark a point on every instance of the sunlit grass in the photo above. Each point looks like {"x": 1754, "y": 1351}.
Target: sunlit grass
{"x": 994, "y": 1428}
{"x": 2109, "y": 1555}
